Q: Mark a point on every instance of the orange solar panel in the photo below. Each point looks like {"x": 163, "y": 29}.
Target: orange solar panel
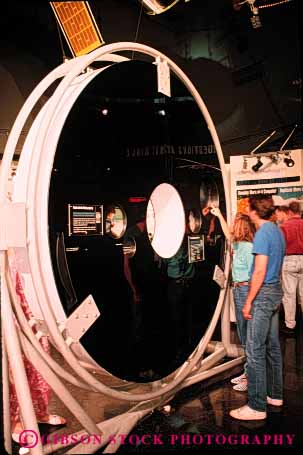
{"x": 78, "y": 25}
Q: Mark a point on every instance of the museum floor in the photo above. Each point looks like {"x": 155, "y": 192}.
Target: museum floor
{"x": 199, "y": 419}
{"x": 203, "y": 409}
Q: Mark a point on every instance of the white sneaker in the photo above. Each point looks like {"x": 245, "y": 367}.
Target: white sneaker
{"x": 23, "y": 450}
{"x": 238, "y": 379}
{"x": 241, "y": 387}
{"x": 247, "y": 413}
{"x": 274, "y": 401}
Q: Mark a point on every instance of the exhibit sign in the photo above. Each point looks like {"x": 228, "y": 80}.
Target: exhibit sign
{"x": 195, "y": 248}
{"x": 273, "y": 177}
{"x": 281, "y": 196}
{"x": 85, "y": 219}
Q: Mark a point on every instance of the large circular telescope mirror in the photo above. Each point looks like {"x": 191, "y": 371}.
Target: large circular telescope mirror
{"x": 75, "y": 161}
{"x": 166, "y": 206}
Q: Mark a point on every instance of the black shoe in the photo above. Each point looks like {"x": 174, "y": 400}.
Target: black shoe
{"x": 287, "y": 330}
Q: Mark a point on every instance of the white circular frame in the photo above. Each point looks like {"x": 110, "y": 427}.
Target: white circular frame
{"x": 31, "y": 187}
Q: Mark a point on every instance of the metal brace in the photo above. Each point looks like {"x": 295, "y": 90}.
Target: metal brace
{"x": 81, "y": 320}
{"x": 163, "y": 73}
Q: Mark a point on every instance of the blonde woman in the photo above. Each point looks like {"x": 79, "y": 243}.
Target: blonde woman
{"x": 240, "y": 236}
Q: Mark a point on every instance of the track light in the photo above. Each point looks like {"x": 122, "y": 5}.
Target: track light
{"x": 255, "y": 21}
{"x": 289, "y": 161}
{"x": 275, "y": 159}
{"x": 254, "y": 9}
{"x": 257, "y": 166}
{"x": 156, "y": 7}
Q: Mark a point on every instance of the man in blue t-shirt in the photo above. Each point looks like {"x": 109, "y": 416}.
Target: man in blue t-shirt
{"x": 261, "y": 310}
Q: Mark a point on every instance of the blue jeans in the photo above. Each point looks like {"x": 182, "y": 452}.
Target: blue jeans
{"x": 264, "y": 359}
{"x": 240, "y": 294}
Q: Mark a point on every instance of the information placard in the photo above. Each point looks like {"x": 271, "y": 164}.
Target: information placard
{"x": 85, "y": 219}
{"x": 195, "y": 248}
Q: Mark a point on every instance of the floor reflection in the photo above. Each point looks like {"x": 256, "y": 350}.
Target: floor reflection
{"x": 199, "y": 419}
{"x": 204, "y": 409}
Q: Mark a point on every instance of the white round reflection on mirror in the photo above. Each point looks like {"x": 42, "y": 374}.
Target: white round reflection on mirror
{"x": 165, "y": 220}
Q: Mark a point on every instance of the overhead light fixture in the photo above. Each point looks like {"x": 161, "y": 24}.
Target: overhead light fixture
{"x": 255, "y": 21}
{"x": 288, "y": 160}
{"x": 254, "y": 9}
{"x": 275, "y": 158}
{"x": 257, "y": 166}
{"x": 157, "y": 7}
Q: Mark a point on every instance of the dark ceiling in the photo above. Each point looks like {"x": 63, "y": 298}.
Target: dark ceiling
{"x": 31, "y": 25}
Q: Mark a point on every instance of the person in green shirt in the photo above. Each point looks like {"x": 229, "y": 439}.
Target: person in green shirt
{"x": 180, "y": 274}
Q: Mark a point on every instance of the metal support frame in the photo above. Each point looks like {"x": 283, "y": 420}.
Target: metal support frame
{"x": 31, "y": 188}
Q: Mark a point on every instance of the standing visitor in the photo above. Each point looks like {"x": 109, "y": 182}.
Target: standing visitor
{"x": 292, "y": 271}
{"x": 241, "y": 236}
{"x": 261, "y": 310}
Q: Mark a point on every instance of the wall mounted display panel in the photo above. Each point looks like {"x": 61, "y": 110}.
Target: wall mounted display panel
{"x": 275, "y": 178}
{"x": 85, "y": 219}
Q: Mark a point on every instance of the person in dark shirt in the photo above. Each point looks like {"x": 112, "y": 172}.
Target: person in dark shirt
{"x": 109, "y": 339}
{"x": 142, "y": 274}
{"x": 180, "y": 273}
{"x": 292, "y": 271}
